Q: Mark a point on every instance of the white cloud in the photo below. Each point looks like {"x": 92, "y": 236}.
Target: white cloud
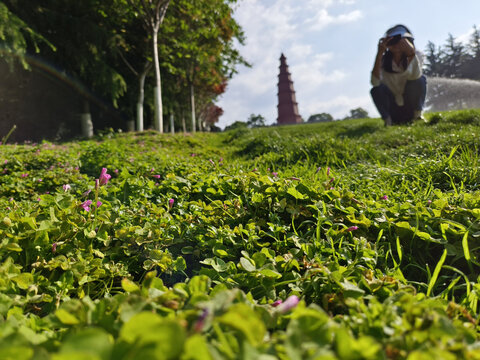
{"x": 323, "y": 18}
{"x": 272, "y": 27}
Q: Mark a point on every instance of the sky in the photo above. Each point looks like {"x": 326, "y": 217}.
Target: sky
{"x": 330, "y": 46}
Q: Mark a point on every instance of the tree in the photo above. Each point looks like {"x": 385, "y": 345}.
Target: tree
{"x": 152, "y": 13}
{"x": 357, "y": 113}
{"x": 79, "y": 42}
{"x": 199, "y": 41}
{"x": 236, "y": 125}
{"x": 14, "y": 35}
{"x": 322, "y": 117}
{"x": 255, "y": 121}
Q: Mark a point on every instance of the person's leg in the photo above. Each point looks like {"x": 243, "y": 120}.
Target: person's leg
{"x": 383, "y": 100}
{"x": 414, "y": 96}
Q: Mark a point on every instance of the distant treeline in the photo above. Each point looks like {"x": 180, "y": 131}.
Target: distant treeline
{"x": 454, "y": 59}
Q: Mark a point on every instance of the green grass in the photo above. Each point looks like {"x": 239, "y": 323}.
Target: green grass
{"x": 376, "y": 230}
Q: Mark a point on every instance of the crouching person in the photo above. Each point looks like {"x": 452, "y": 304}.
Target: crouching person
{"x": 399, "y": 87}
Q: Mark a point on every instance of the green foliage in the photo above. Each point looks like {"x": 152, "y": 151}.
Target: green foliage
{"x": 369, "y": 235}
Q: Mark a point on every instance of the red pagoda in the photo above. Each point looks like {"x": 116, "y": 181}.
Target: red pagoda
{"x": 287, "y": 105}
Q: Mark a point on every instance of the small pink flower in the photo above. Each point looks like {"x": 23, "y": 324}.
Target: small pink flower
{"x": 5, "y": 162}
{"x": 39, "y": 199}
{"x": 104, "y": 177}
{"x": 200, "y": 323}
{"x": 328, "y": 171}
{"x": 11, "y": 199}
{"x": 352, "y": 228}
{"x": 211, "y": 162}
{"x": 157, "y": 176}
{"x": 54, "y": 247}
{"x": 274, "y": 174}
{"x": 99, "y": 203}
{"x": 24, "y": 175}
{"x": 193, "y": 154}
{"x": 429, "y": 202}
{"x": 87, "y": 192}
{"x": 39, "y": 180}
{"x": 277, "y": 302}
{"x": 86, "y": 205}
{"x": 384, "y": 197}
{"x": 290, "y": 303}
{"x": 170, "y": 203}
{"x": 66, "y": 187}
{"x": 115, "y": 171}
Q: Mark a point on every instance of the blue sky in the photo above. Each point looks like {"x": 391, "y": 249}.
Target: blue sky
{"x": 330, "y": 46}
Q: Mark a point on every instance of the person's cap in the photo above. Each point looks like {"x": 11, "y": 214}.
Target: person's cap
{"x": 399, "y": 30}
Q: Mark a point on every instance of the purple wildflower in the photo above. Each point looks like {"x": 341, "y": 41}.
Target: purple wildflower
{"x": 66, "y": 187}
{"x": 39, "y": 180}
{"x": 99, "y": 203}
{"x": 104, "y": 177}
{"x": 200, "y": 323}
{"x": 277, "y": 302}
{"x": 328, "y": 171}
{"x": 171, "y": 202}
{"x": 290, "y": 303}
{"x": 211, "y": 162}
{"x": 318, "y": 169}
{"x": 352, "y": 228}
{"x": 115, "y": 171}
{"x": 384, "y": 197}
{"x": 24, "y": 175}
{"x": 274, "y": 174}
{"x": 86, "y": 205}
{"x": 54, "y": 247}
{"x": 157, "y": 176}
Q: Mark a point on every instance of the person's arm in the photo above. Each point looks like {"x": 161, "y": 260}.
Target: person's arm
{"x": 407, "y": 48}
{"x": 382, "y": 47}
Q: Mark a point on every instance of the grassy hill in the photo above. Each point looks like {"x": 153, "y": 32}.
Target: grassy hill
{"x": 342, "y": 240}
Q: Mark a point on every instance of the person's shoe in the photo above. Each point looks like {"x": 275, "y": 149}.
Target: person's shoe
{"x": 418, "y": 116}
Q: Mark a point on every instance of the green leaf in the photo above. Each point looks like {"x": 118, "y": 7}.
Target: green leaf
{"x": 436, "y": 272}
{"x": 129, "y": 286}
{"x": 242, "y": 318}
{"x": 196, "y": 348}
{"x": 149, "y": 329}
{"x": 91, "y": 341}
{"x": 295, "y": 193}
{"x": 247, "y": 264}
{"x": 270, "y": 273}
{"x": 66, "y": 318}
{"x": 24, "y": 280}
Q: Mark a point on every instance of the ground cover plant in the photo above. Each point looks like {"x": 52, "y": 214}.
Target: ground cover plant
{"x": 342, "y": 240}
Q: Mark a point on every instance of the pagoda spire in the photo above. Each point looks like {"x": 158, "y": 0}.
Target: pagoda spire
{"x": 287, "y": 104}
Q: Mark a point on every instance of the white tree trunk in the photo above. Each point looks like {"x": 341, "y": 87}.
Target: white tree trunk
{"x": 141, "y": 97}
{"x": 158, "y": 121}
{"x": 172, "y": 124}
{"x": 192, "y": 101}
{"x": 184, "y": 125}
{"x": 86, "y": 120}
